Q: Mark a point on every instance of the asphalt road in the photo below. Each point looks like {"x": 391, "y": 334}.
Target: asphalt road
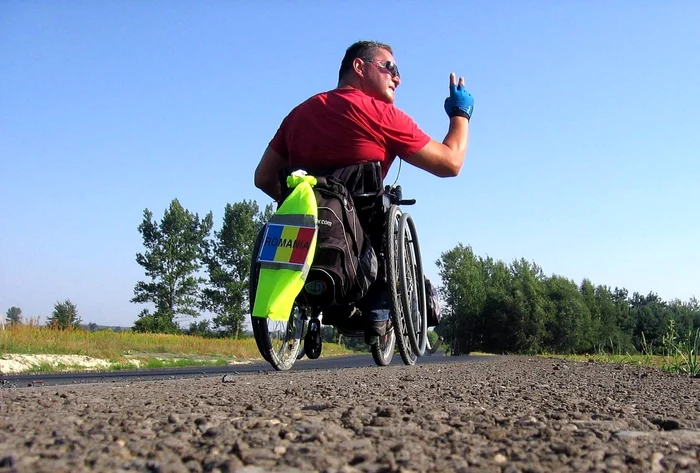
{"x": 338, "y": 362}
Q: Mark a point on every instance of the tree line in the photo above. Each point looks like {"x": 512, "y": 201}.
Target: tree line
{"x": 496, "y": 307}
{"x": 488, "y": 305}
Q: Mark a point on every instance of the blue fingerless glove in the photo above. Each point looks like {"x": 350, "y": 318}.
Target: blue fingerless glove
{"x": 460, "y": 103}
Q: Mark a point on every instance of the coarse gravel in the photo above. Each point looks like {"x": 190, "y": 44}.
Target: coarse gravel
{"x": 504, "y": 414}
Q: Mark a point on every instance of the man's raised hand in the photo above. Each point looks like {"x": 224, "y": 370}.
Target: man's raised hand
{"x": 460, "y": 103}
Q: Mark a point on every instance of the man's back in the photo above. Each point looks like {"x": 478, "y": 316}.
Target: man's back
{"x": 357, "y": 122}
{"x": 343, "y": 127}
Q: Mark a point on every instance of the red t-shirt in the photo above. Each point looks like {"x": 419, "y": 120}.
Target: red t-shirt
{"x": 345, "y": 126}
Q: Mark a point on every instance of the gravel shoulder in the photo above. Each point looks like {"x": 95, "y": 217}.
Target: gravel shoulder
{"x": 506, "y": 414}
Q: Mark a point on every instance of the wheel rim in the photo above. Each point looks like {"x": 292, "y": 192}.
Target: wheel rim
{"x": 285, "y": 338}
{"x": 411, "y": 276}
{"x": 383, "y": 350}
{"x": 393, "y": 280}
{"x": 420, "y": 285}
{"x": 387, "y": 343}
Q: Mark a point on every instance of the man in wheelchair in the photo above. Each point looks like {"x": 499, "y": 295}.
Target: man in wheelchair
{"x": 335, "y": 132}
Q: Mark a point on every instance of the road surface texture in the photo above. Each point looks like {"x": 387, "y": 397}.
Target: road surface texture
{"x": 508, "y": 414}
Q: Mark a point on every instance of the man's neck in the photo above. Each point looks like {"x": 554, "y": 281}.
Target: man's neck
{"x": 345, "y": 85}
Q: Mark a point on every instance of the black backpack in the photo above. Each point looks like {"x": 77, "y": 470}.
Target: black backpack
{"x": 433, "y": 303}
{"x": 345, "y": 264}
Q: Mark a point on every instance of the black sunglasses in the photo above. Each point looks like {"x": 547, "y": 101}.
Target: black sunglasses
{"x": 388, "y": 65}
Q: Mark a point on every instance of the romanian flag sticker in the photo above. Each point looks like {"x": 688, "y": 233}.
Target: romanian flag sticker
{"x": 287, "y": 244}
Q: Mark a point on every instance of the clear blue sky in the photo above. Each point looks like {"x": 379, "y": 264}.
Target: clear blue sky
{"x": 584, "y": 146}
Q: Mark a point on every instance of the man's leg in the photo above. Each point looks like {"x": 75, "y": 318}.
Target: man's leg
{"x": 375, "y": 307}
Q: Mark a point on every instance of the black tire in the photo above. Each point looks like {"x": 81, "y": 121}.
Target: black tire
{"x": 313, "y": 343}
{"x": 383, "y": 350}
{"x": 282, "y": 353}
{"x": 413, "y": 298}
{"x": 391, "y": 241}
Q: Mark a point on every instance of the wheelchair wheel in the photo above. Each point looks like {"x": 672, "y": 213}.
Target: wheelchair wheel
{"x": 281, "y": 341}
{"x": 412, "y": 287}
{"x": 278, "y": 342}
{"x": 383, "y": 350}
{"x": 394, "y": 281}
{"x": 313, "y": 341}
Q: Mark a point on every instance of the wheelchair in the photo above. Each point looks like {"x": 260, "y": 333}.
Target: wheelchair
{"x": 393, "y": 235}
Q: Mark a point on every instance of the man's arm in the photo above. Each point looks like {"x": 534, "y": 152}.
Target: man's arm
{"x": 267, "y": 173}
{"x": 445, "y": 159}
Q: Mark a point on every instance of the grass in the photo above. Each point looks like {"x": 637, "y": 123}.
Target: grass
{"x": 26, "y": 339}
{"x": 681, "y": 354}
{"x": 128, "y": 350}
{"x": 51, "y": 368}
{"x": 655, "y": 361}
{"x": 685, "y": 351}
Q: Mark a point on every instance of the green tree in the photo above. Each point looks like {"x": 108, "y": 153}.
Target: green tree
{"x": 200, "y": 329}
{"x": 14, "y": 315}
{"x": 172, "y": 261}
{"x": 514, "y": 316}
{"x": 611, "y": 337}
{"x": 498, "y": 306}
{"x": 588, "y": 294}
{"x": 148, "y": 322}
{"x": 625, "y": 320}
{"x": 528, "y": 319}
{"x": 464, "y": 293}
{"x": 228, "y": 259}
{"x": 686, "y": 315}
{"x": 570, "y": 320}
{"x": 64, "y": 316}
{"x": 651, "y": 315}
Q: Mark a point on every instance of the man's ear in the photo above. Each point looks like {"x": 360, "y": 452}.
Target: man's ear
{"x": 357, "y": 66}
